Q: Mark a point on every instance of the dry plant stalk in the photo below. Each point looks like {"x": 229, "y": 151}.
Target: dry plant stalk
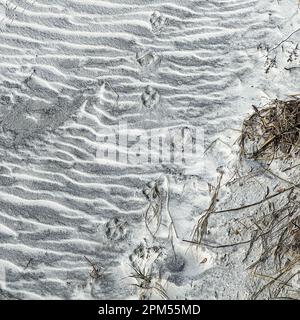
{"x": 272, "y": 132}
{"x": 96, "y": 272}
{"x": 201, "y": 227}
{"x": 153, "y": 213}
{"x": 157, "y": 197}
{"x": 147, "y": 283}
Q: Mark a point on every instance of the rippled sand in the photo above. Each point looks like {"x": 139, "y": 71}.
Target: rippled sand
{"x": 71, "y": 71}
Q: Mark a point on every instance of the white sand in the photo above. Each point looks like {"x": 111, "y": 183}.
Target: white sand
{"x": 70, "y": 71}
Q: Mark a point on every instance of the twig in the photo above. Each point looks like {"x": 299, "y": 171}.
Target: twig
{"x": 255, "y": 203}
{"x": 95, "y": 274}
{"x": 284, "y": 40}
{"x": 205, "y": 244}
{"x": 28, "y": 263}
{"x": 201, "y": 226}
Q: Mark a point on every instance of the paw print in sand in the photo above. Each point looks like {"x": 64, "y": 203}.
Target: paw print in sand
{"x": 150, "y": 97}
{"x": 158, "y": 21}
{"x": 116, "y": 229}
{"x": 144, "y": 252}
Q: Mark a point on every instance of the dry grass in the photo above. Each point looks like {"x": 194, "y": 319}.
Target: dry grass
{"x": 276, "y": 231}
{"x": 97, "y": 272}
{"x": 158, "y": 196}
{"x": 147, "y": 283}
{"x": 200, "y": 228}
{"x": 153, "y": 215}
{"x": 272, "y": 132}
{"x": 274, "y": 246}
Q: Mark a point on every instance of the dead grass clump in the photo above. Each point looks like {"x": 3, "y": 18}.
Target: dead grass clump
{"x": 200, "y": 228}
{"x": 272, "y": 132}
{"x": 147, "y": 283}
{"x": 278, "y": 265}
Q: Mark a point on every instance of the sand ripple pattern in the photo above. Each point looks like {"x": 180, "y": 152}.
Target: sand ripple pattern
{"x": 70, "y": 69}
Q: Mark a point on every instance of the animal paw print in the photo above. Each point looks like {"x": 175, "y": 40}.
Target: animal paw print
{"x": 151, "y": 191}
{"x": 155, "y": 190}
{"x": 144, "y": 253}
{"x": 158, "y": 21}
{"x": 116, "y": 229}
{"x": 7, "y": 13}
{"x": 150, "y": 97}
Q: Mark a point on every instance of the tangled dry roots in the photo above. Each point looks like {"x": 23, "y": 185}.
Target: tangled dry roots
{"x": 273, "y": 131}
